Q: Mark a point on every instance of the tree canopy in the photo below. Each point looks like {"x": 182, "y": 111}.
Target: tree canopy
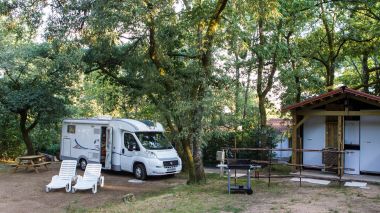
{"x": 198, "y": 66}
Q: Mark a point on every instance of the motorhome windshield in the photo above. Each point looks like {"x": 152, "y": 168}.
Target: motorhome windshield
{"x": 153, "y": 140}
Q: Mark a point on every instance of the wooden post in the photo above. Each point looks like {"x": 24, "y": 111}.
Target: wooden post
{"x": 295, "y": 155}
{"x": 340, "y": 145}
{"x": 342, "y": 154}
{"x": 294, "y": 141}
{"x": 270, "y": 166}
{"x": 300, "y": 146}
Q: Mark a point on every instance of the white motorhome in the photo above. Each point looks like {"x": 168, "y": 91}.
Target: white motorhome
{"x": 121, "y": 145}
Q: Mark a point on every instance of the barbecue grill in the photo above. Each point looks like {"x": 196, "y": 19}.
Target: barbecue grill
{"x": 241, "y": 164}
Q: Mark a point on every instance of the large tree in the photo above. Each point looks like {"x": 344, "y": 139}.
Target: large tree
{"x": 156, "y": 50}
{"x": 35, "y": 85}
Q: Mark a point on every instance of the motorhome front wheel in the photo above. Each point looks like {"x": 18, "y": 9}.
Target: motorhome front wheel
{"x": 140, "y": 172}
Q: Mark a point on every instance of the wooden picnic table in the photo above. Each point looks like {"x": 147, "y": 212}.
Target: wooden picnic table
{"x": 31, "y": 161}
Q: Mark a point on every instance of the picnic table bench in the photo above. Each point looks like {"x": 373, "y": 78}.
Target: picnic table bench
{"x": 30, "y": 161}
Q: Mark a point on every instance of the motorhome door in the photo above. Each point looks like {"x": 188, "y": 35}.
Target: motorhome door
{"x": 108, "y": 159}
{"x": 128, "y": 151}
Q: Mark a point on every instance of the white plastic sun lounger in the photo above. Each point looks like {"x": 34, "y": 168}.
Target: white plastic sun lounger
{"x": 90, "y": 179}
{"x": 65, "y": 177}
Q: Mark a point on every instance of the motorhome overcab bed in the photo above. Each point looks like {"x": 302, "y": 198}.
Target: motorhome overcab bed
{"x": 121, "y": 145}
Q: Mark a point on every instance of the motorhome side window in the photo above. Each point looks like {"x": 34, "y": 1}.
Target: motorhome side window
{"x": 130, "y": 142}
{"x": 71, "y": 129}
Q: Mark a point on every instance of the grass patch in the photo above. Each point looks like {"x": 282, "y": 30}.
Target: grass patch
{"x": 185, "y": 198}
{"x": 281, "y": 169}
{"x": 213, "y": 197}
{"x": 209, "y": 197}
{"x": 277, "y": 169}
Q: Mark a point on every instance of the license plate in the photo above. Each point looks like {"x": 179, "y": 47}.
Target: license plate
{"x": 171, "y": 169}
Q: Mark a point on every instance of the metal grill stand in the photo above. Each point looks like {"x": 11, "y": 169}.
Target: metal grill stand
{"x": 241, "y": 164}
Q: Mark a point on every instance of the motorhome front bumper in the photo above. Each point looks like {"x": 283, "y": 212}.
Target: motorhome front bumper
{"x": 158, "y": 167}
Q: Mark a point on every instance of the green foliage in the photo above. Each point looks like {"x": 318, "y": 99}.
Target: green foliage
{"x": 11, "y": 144}
{"x": 53, "y": 149}
{"x": 215, "y": 141}
{"x": 167, "y": 61}
{"x": 36, "y": 83}
{"x": 248, "y": 138}
{"x": 47, "y": 137}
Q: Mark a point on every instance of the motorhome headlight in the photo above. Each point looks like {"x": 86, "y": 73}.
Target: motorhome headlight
{"x": 151, "y": 154}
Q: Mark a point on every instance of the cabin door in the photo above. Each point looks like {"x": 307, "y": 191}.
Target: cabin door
{"x": 108, "y": 160}
{"x": 332, "y": 134}
{"x": 314, "y": 138}
{"x": 370, "y": 144}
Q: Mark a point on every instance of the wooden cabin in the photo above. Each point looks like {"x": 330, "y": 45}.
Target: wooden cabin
{"x": 344, "y": 120}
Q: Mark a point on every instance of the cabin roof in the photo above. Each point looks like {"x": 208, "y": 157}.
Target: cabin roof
{"x": 279, "y": 124}
{"x": 328, "y": 95}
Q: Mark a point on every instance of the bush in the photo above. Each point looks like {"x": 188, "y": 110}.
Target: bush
{"x": 250, "y": 138}
{"x": 11, "y": 149}
{"x": 45, "y": 137}
{"x": 11, "y": 144}
{"x": 53, "y": 149}
{"x": 215, "y": 141}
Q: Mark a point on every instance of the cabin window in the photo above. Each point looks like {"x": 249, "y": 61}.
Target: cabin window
{"x": 130, "y": 142}
{"x": 71, "y": 129}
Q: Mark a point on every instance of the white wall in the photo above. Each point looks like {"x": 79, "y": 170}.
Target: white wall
{"x": 370, "y": 144}
{"x": 314, "y": 138}
{"x": 283, "y": 144}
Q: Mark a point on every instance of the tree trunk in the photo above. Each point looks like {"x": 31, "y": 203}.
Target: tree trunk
{"x": 298, "y": 85}
{"x": 377, "y": 86}
{"x": 330, "y": 35}
{"x": 365, "y": 72}
{"x": 262, "y": 88}
{"x": 189, "y": 160}
{"x": 262, "y": 110}
{"x": 237, "y": 85}
{"x": 195, "y": 139}
{"x": 198, "y": 162}
{"x": 260, "y": 69}
{"x": 293, "y": 64}
{"x": 247, "y": 92}
{"x": 25, "y": 133}
{"x": 330, "y": 78}
{"x": 199, "y": 91}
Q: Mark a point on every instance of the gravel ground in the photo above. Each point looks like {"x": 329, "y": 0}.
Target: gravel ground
{"x": 24, "y": 191}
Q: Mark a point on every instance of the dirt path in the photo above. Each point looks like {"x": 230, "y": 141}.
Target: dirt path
{"x": 311, "y": 198}
{"x": 24, "y": 191}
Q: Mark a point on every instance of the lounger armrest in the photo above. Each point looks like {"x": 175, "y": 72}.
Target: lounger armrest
{"x": 101, "y": 181}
